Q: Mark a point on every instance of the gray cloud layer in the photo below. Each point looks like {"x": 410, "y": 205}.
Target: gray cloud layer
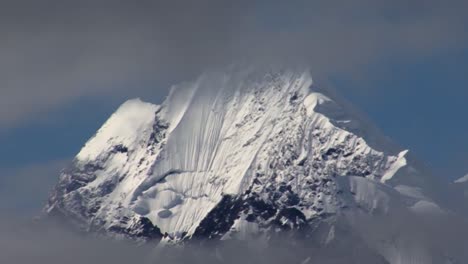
{"x": 54, "y": 52}
{"x": 25, "y": 190}
{"x": 355, "y": 240}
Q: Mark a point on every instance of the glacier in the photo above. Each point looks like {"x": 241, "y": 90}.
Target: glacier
{"x": 239, "y": 153}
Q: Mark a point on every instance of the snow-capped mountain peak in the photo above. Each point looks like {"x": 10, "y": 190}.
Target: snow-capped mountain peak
{"x": 234, "y": 154}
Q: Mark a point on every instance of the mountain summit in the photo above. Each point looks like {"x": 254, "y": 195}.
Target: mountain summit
{"x": 239, "y": 154}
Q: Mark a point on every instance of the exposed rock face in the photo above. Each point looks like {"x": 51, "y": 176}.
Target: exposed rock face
{"x": 236, "y": 154}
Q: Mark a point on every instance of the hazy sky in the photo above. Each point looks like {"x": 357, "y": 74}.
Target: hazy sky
{"x": 66, "y": 65}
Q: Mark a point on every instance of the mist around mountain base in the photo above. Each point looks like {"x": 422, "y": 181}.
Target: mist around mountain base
{"x": 432, "y": 238}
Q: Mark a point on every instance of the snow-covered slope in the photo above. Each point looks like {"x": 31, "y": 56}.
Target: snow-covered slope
{"x": 462, "y": 179}
{"x": 239, "y": 153}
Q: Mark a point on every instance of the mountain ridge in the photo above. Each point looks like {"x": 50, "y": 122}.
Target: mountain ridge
{"x": 233, "y": 155}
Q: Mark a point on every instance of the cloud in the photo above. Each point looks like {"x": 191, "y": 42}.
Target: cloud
{"x": 25, "y": 242}
{"x": 56, "y": 52}
{"x": 360, "y": 238}
{"x": 24, "y": 190}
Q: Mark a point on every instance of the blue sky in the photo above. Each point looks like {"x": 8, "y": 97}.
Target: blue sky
{"x": 422, "y": 105}
{"x": 65, "y": 69}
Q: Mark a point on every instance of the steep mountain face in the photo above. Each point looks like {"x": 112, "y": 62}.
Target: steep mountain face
{"x": 240, "y": 154}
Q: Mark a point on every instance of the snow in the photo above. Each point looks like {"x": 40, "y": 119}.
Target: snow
{"x": 371, "y": 195}
{"x": 123, "y": 127}
{"x": 462, "y": 179}
{"x": 399, "y": 163}
{"x": 212, "y": 155}
{"x": 314, "y": 99}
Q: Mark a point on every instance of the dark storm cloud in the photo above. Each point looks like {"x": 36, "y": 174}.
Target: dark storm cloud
{"x": 53, "y": 52}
